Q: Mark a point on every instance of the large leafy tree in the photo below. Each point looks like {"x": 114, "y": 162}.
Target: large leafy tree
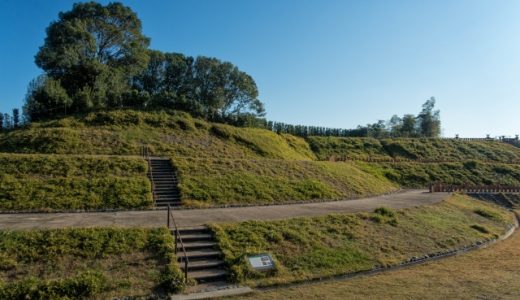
{"x": 93, "y": 51}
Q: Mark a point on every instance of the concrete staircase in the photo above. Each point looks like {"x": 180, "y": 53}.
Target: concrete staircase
{"x": 205, "y": 259}
{"x": 164, "y": 181}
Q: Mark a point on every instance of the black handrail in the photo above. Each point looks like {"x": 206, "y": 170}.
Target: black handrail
{"x": 179, "y": 238}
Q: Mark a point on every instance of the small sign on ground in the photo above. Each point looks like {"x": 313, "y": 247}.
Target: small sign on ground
{"x": 261, "y": 262}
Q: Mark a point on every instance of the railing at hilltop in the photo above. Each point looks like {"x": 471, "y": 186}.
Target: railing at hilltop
{"x": 337, "y": 158}
{"x": 484, "y": 189}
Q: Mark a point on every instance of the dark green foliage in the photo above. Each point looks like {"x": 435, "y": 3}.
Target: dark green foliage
{"x": 95, "y": 57}
{"x": 429, "y": 120}
{"x": 203, "y": 86}
{"x": 93, "y": 251}
{"x": 90, "y": 54}
{"x": 16, "y": 117}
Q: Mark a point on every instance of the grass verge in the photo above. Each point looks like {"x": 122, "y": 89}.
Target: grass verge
{"x": 306, "y": 248}
{"x": 490, "y": 273}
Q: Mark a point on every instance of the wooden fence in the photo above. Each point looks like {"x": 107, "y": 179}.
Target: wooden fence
{"x": 483, "y": 189}
{"x": 418, "y": 160}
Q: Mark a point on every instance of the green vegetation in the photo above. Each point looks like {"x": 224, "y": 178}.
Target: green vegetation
{"x": 222, "y": 164}
{"x": 417, "y": 175}
{"x": 223, "y": 181}
{"x": 306, "y": 248}
{"x": 47, "y": 182}
{"x": 87, "y": 263}
{"x": 177, "y": 134}
{"x": 95, "y": 57}
{"x": 420, "y": 148}
{"x": 490, "y": 273}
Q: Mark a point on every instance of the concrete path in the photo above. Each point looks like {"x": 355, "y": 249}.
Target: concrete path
{"x": 185, "y": 218}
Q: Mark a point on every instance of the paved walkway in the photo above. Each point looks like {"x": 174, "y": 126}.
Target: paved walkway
{"x": 184, "y": 218}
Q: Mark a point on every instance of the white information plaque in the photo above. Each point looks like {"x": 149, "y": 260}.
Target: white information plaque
{"x": 261, "y": 262}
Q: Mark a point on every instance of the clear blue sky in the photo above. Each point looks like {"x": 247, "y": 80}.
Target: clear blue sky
{"x": 323, "y": 62}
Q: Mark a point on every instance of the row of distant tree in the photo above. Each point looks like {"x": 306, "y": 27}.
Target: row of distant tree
{"x": 12, "y": 121}
{"x": 95, "y": 57}
{"x": 426, "y": 124}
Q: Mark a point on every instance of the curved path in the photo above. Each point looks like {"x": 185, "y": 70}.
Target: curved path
{"x": 194, "y": 217}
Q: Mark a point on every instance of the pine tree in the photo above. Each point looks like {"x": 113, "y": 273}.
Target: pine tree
{"x": 16, "y": 117}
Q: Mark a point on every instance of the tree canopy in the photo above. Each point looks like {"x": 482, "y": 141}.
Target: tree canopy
{"x": 96, "y": 57}
{"x": 204, "y": 86}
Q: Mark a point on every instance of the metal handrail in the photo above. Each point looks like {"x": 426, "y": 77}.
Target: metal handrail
{"x": 178, "y": 237}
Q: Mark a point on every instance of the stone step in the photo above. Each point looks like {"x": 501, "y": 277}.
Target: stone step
{"x": 208, "y": 275}
{"x": 196, "y": 245}
{"x": 167, "y": 199}
{"x": 196, "y": 237}
{"x": 166, "y": 192}
{"x": 199, "y": 254}
{"x": 194, "y": 230}
{"x": 204, "y": 264}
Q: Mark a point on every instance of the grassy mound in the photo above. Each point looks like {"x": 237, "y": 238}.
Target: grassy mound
{"x": 220, "y": 164}
{"x": 305, "y": 248}
{"x": 176, "y": 134}
{"x": 49, "y": 182}
{"x": 490, "y": 273}
{"x": 261, "y": 181}
{"x": 424, "y": 149}
{"x": 418, "y": 175}
{"x": 87, "y": 263}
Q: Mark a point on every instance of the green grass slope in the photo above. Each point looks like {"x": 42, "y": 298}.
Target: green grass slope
{"x": 47, "y": 182}
{"x": 176, "y": 134}
{"x": 220, "y": 164}
{"x": 420, "y": 148}
{"x": 420, "y": 175}
{"x": 95, "y": 263}
{"x": 270, "y": 181}
{"x": 306, "y": 248}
